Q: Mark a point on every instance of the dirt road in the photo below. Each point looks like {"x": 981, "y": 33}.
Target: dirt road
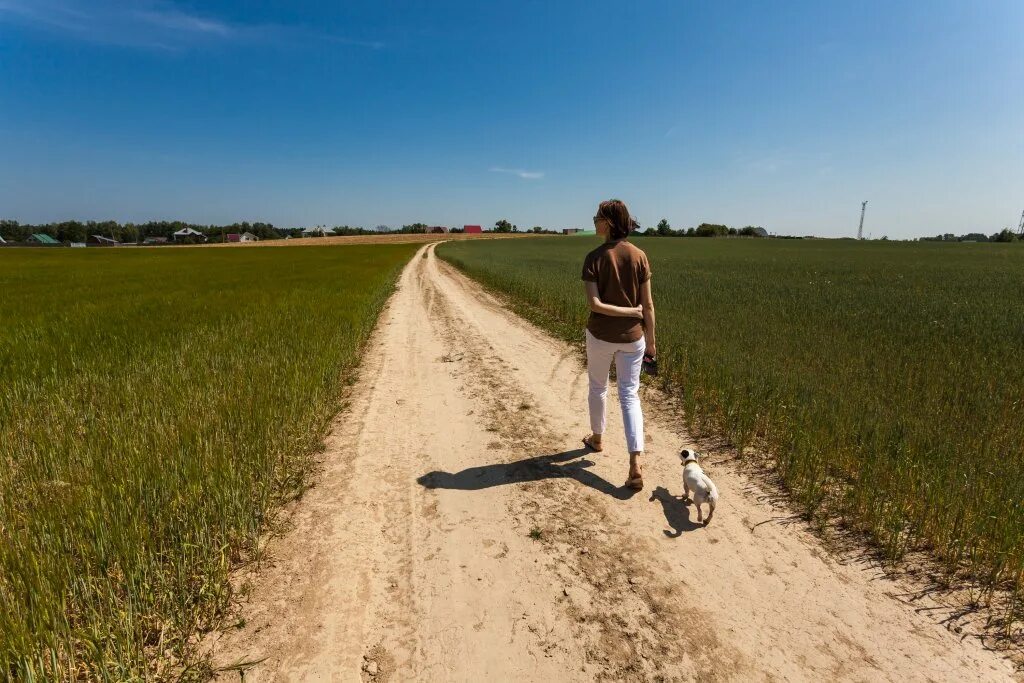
{"x": 457, "y": 532}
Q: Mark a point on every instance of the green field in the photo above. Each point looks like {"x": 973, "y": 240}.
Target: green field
{"x": 886, "y": 380}
{"x": 155, "y": 405}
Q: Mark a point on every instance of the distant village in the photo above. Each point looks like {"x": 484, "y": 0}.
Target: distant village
{"x": 159, "y": 233}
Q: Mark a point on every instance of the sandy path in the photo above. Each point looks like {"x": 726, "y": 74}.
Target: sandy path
{"x": 412, "y": 559}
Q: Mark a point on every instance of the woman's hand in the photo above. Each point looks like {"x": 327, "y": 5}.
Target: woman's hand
{"x": 647, "y": 301}
{"x": 597, "y": 306}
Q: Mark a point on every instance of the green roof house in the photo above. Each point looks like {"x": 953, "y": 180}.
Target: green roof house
{"x": 43, "y": 238}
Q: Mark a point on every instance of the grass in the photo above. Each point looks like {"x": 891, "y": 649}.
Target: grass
{"x": 155, "y": 407}
{"x": 886, "y": 380}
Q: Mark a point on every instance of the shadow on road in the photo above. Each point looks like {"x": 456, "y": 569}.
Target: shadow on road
{"x": 529, "y": 469}
{"x": 677, "y": 513}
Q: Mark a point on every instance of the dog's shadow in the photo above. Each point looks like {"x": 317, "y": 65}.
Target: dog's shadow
{"x": 677, "y": 512}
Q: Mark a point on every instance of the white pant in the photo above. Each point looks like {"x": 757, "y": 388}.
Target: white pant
{"x": 628, "y": 358}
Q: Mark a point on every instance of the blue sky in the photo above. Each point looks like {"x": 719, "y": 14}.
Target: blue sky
{"x": 785, "y": 115}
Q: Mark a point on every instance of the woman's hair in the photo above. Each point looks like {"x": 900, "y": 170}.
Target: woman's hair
{"x": 618, "y": 216}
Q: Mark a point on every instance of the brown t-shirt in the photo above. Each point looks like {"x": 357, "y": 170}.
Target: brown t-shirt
{"x": 620, "y": 270}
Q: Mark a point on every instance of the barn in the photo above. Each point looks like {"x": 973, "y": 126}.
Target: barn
{"x": 472, "y": 229}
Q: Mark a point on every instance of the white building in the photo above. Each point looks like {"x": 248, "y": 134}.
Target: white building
{"x": 189, "y": 232}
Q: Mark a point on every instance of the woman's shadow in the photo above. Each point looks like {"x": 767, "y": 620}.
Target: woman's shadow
{"x": 526, "y": 470}
{"x": 677, "y": 512}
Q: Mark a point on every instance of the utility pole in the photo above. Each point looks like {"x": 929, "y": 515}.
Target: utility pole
{"x": 860, "y": 230}
{"x": 1020, "y": 227}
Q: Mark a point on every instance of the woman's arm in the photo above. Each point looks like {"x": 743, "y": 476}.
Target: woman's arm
{"x": 647, "y": 304}
{"x": 597, "y": 306}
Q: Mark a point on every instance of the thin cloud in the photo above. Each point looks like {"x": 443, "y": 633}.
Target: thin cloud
{"x": 372, "y": 44}
{"x": 153, "y": 24}
{"x": 175, "y": 20}
{"x": 770, "y": 163}
{"x": 528, "y": 175}
{"x": 787, "y": 161}
{"x": 45, "y": 14}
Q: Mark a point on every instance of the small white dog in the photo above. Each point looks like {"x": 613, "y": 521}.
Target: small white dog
{"x": 703, "y": 489}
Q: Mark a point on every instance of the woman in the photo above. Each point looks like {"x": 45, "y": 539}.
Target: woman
{"x": 617, "y": 278}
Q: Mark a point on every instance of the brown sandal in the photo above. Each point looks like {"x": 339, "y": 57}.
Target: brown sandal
{"x": 586, "y": 442}
{"x": 636, "y": 483}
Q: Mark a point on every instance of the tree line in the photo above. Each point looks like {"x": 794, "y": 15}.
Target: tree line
{"x": 664, "y": 229}
{"x": 135, "y": 233}
{"x": 80, "y": 231}
{"x": 1004, "y": 235}
{"x": 504, "y": 226}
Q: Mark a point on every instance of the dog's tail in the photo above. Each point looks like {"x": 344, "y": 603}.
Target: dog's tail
{"x": 712, "y": 490}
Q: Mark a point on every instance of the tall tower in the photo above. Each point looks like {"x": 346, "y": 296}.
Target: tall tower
{"x": 863, "y": 208}
{"x": 1020, "y": 228}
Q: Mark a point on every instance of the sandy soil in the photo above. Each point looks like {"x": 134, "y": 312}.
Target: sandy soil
{"x": 413, "y": 558}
